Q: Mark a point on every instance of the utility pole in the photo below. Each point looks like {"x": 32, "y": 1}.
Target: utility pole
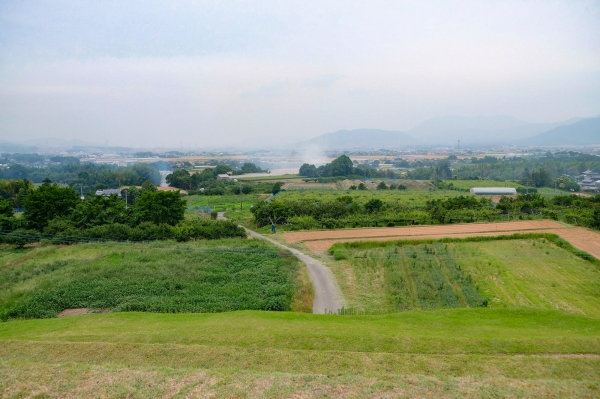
{"x": 236, "y": 180}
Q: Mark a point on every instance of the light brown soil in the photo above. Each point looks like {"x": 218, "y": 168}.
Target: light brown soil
{"x": 79, "y": 312}
{"x": 292, "y": 237}
{"x": 73, "y": 312}
{"x": 319, "y": 241}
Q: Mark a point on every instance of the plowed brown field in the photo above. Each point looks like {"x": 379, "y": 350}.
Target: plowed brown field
{"x": 318, "y": 241}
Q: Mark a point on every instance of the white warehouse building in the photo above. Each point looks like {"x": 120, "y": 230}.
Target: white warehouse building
{"x": 493, "y": 191}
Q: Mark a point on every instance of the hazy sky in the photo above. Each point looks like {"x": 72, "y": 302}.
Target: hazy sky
{"x": 146, "y": 73}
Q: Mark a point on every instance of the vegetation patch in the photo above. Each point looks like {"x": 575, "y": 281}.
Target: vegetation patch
{"x": 163, "y": 277}
{"x": 520, "y": 271}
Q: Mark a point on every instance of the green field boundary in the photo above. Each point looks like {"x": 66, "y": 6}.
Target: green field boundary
{"x": 553, "y": 238}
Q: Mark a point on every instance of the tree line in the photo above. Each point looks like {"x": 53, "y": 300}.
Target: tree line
{"x": 345, "y": 211}
{"x": 84, "y": 176}
{"x": 148, "y": 215}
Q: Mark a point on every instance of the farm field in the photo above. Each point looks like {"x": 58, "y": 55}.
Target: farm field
{"x": 319, "y": 241}
{"x": 443, "y": 353}
{"x": 223, "y": 202}
{"x": 469, "y": 184}
{"x": 295, "y": 236}
{"x": 213, "y": 276}
{"x": 510, "y": 273}
{"x": 408, "y": 197}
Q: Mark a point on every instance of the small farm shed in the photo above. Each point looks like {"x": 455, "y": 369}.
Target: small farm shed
{"x": 224, "y": 177}
{"x": 493, "y": 191}
{"x": 109, "y": 192}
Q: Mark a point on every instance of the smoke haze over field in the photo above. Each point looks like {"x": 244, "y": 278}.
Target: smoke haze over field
{"x": 265, "y": 72}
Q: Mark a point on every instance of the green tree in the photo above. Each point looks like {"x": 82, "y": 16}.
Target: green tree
{"x": 6, "y": 208}
{"x": 6, "y": 215}
{"x": 596, "y": 218}
{"x": 277, "y": 187}
{"x": 47, "y": 202}
{"x": 362, "y": 186}
{"x": 373, "y": 205}
{"x": 222, "y": 169}
{"x": 341, "y": 166}
{"x": 180, "y": 178}
{"x": 382, "y": 186}
{"x": 160, "y": 207}
{"x": 99, "y": 210}
{"x": 308, "y": 170}
{"x": 148, "y": 186}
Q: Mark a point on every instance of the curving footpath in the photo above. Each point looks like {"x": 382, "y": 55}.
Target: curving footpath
{"x": 328, "y": 297}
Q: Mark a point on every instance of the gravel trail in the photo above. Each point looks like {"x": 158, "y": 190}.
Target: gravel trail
{"x": 328, "y": 296}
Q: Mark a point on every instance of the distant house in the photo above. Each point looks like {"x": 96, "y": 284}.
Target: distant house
{"x": 224, "y": 177}
{"x": 591, "y": 181}
{"x": 109, "y": 192}
{"x": 493, "y": 191}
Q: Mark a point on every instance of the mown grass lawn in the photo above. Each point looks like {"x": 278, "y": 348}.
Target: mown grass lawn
{"x": 442, "y": 353}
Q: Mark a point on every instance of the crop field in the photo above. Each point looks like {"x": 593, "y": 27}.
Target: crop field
{"x": 469, "y": 184}
{"x": 217, "y": 276}
{"x": 407, "y": 197}
{"x": 510, "y": 273}
{"x": 222, "y": 203}
{"x": 319, "y": 241}
{"x": 410, "y": 277}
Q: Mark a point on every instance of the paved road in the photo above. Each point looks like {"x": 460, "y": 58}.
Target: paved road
{"x": 328, "y": 297}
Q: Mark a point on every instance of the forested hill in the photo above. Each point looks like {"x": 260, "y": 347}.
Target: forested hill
{"x": 585, "y": 132}
{"x": 362, "y": 138}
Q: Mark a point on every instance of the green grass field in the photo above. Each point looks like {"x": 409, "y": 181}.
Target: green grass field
{"x": 443, "y": 353}
{"x": 523, "y": 273}
{"x": 469, "y": 184}
{"x": 222, "y": 203}
{"x": 408, "y": 197}
{"x": 217, "y": 276}
{"x": 271, "y": 178}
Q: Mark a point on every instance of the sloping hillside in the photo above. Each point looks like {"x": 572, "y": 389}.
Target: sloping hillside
{"x": 585, "y": 132}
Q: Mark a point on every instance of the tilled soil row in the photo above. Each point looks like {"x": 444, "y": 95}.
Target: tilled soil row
{"x": 580, "y": 238}
{"x": 292, "y": 237}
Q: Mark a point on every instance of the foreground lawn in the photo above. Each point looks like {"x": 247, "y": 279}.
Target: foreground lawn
{"x": 443, "y": 353}
{"x": 206, "y": 276}
{"x": 515, "y": 273}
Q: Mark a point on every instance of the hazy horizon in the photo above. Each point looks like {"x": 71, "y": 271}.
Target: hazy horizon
{"x": 211, "y": 74}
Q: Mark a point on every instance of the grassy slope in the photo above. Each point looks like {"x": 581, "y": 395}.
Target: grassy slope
{"x": 511, "y": 274}
{"x": 531, "y": 274}
{"x": 161, "y": 276}
{"x": 444, "y": 353}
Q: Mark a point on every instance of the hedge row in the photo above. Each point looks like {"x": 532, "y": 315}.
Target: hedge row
{"x": 185, "y": 231}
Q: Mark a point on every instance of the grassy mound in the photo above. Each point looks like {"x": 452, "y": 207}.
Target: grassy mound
{"x": 159, "y": 277}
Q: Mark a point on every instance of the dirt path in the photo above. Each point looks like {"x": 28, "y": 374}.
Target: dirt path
{"x": 328, "y": 296}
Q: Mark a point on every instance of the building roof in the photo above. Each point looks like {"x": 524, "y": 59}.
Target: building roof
{"x": 493, "y": 191}
{"x": 108, "y": 192}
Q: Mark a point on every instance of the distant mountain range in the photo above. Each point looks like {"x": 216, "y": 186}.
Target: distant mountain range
{"x": 471, "y": 131}
{"x": 584, "y": 132}
{"x": 499, "y": 129}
